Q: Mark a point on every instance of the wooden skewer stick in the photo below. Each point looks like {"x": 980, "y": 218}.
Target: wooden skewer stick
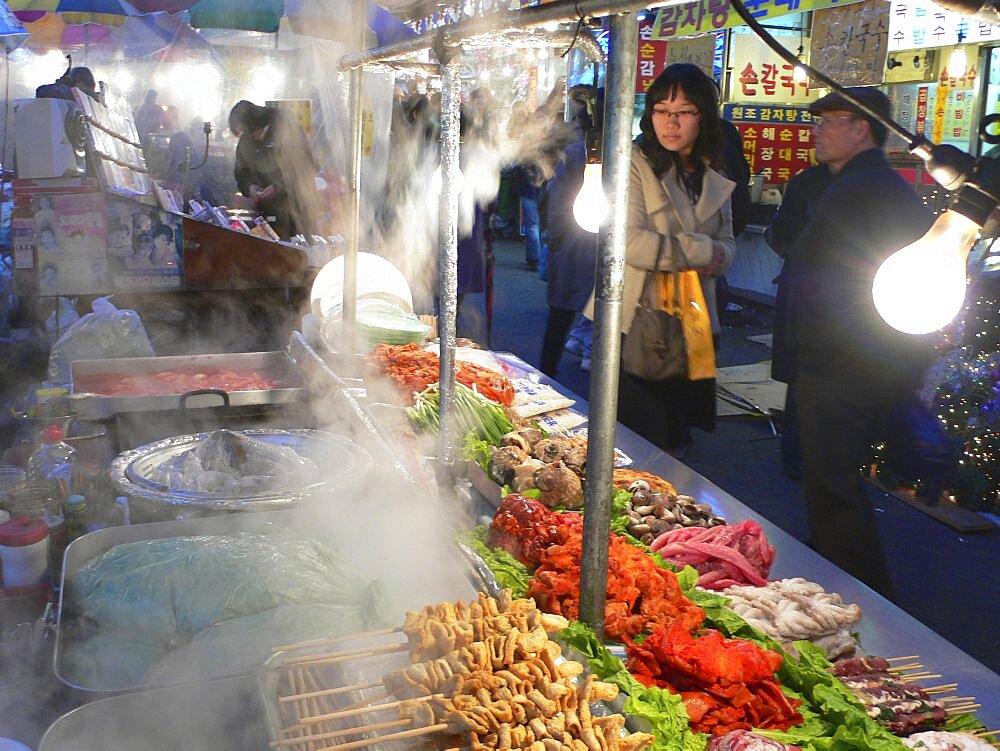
{"x": 331, "y": 657}
{"x": 984, "y": 733}
{"x": 964, "y": 708}
{"x": 373, "y": 700}
{"x": 901, "y": 668}
{"x": 331, "y": 691}
{"x": 969, "y": 699}
{"x": 358, "y": 710}
{"x": 392, "y": 737}
{"x": 900, "y": 659}
{"x": 942, "y": 689}
{"x": 334, "y": 639}
{"x": 347, "y": 731}
{"x": 918, "y": 677}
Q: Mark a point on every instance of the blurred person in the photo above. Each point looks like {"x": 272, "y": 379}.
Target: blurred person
{"x": 275, "y": 167}
{"x": 852, "y": 371}
{"x": 48, "y": 282}
{"x": 44, "y": 215}
{"x": 572, "y": 250}
{"x": 164, "y": 253}
{"x": 47, "y": 241}
{"x": 142, "y": 251}
{"x": 680, "y": 202}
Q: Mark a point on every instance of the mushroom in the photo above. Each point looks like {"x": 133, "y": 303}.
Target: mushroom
{"x": 559, "y": 485}
{"x": 639, "y": 485}
{"x": 552, "y": 449}
{"x": 576, "y": 459}
{"x": 503, "y": 462}
{"x": 523, "y": 438}
{"x": 524, "y": 475}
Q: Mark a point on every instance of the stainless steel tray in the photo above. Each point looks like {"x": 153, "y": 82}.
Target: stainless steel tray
{"x": 341, "y": 460}
{"x": 222, "y": 715}
{"x": 93, "y": 406}
{"x": 378, "y": 556}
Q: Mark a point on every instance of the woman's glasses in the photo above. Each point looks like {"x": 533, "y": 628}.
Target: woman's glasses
{"x": 680, "y": 116}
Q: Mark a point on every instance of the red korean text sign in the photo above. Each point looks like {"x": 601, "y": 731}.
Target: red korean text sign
{"x": 777, "y": 141}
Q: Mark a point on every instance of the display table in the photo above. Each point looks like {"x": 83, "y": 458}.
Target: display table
{"x": 885, "y": 630}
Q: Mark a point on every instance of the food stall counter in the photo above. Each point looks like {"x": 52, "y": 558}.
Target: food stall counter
{"x": 884, "y": 630}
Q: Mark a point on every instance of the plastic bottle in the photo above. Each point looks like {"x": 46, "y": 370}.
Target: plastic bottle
{"x": 24, "y": 552}
{"x": 53, "y": 460}
{"x": 77, "y": 517}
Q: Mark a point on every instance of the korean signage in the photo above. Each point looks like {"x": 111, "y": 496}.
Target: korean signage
{"x": 759, "y": 75}
{"x": 701, "y": 16}
{"x": 651, "y": 60}
{"x": 915, "y": 24}
{"x": 850, "y": 44}
{"x": 700, "y": 51}
{"x": 777, "y": 141}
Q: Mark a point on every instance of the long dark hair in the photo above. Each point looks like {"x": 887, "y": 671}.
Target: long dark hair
{"x": 702, "y": 92}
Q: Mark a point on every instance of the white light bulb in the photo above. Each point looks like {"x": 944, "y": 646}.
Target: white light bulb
{"x": 957, "y": 63}
{"x": 920, "y": 288}
{"x": 799, "y": 74}
{"x": 543, "y": 53}
{"x": 435, "y": 185}
{"x": 485, "y": 75}
{"x": 529, "y": 56}
{"x": 591, "y": 205}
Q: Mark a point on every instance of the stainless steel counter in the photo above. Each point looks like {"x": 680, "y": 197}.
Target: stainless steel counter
{"x": 884, "y": 630}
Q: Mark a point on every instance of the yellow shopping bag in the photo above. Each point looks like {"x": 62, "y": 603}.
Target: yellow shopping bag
{"x": 697, "y": 324}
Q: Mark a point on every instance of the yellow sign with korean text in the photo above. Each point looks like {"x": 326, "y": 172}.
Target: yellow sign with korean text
{"x": 703, "y": 16}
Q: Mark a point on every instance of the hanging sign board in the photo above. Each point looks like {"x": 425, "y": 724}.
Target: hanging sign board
{"x": 701, "y": 16}
{"x": 699, "y": 51}
{"x": 760, "y": 76}
{"x": 651, "y": 58}
{"x": 850, "y": 44}
{"x": 915, "y": 24}
{"x": 777, "y": 141}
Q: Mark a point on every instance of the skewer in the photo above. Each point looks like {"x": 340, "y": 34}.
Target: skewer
{"x": 331, "y": 691}
{"x": 984, "y": 733}
{"x": 358, "y": 710}
{"x": 901, "y": 668}
{"x": 942, "y": 689}
{"x": 899, "y": 659}
{"x": 347, "y": 731}
{"x": 958, "y": 698}
{"x": 301, "y": 707}
{"x": 918, "y": 677}
{"x": 964, "y": 708}
{"x": 334, "y": 639}
{"x": 392, "y": 737}
{"x": 331, "y": 657}
{"x": 374, "y": 700}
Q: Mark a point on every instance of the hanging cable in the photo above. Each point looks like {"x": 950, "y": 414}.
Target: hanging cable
{"x": 576, "y": 33}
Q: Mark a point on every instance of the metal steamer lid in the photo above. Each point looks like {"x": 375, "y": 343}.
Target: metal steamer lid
{"x": 340, "y": 461}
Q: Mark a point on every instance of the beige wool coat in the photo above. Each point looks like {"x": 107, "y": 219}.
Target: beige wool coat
{"x": 661, "y": 214}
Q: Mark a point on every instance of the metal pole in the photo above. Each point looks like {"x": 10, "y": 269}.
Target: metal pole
{"x": 619, "y": 104}
{"x": 186, "y": 189}
{"x": 355, "y": 106}
{"x": 448, "y": 253}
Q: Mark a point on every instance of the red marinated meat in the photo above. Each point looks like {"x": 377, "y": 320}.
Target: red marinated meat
{"x": 860, "y": 666}
{"x": 724, "y": 556}
{"x": 178, "y": 382}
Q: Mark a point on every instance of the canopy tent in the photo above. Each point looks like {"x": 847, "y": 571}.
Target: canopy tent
{"x": 105, "y": 12}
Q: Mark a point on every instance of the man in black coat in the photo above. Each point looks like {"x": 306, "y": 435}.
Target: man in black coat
{"x": 851, "y": 369}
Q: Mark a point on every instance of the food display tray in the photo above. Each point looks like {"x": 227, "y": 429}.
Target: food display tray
{"x": 93, "y": 406}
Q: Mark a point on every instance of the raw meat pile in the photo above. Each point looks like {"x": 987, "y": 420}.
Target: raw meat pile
{"x": 724, "y": 556}
{"x": 791, "y": 609}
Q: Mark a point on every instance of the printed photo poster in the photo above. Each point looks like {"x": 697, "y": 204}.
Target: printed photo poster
{"x": 71, "y": 257}
{"x": 777, "y": 141}
{"x": 144, "y": 246}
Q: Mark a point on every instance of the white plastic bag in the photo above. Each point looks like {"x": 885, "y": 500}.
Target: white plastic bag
{"x": 105, "y": 333}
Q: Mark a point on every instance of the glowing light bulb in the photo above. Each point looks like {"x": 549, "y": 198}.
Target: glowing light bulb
{"x": 507, "y": 71}
{"x": 529, "y": 56}
{"x": 799, "y": 74}
{"x": 957, "y": 63}
{"x": 485, "y": 75}
{"x": 435, "y": 185}
{"x": 920, "y": 288}
{"x": 591, "y": 205}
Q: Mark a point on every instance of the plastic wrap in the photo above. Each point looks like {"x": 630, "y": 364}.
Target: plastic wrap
{"x": 107, "y": 332}
{"x": 172, "y": 602}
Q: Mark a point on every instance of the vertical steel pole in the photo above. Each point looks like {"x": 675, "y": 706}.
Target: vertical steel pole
{"x": 619, "y": 105}
{"x": 448, "y": 252}
{"x": 355, "y": 106}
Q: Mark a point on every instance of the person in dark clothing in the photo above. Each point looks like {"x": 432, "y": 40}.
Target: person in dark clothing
{"x": 275, "y": 167}
{"x": 802, "y": 194}
{"x": 737, "y": 169}
{"x": 851, "y": 369}
{"x": 80, "y": 77}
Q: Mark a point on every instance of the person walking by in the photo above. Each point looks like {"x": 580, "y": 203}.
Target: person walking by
{"x": 852, "y": 370}
{"x": 679, "y": 208}
{"x": 798, "y": 205}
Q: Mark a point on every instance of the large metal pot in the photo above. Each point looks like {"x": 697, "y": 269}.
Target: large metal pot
{"x": 343, "y": 463}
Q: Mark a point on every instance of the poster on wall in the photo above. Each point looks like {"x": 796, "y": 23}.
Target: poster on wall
{"x": 651, "y": 58}
{"x": 700, "y": 16}
{"x": 850, "y": 44}
{"x": 144, "y": 246}
{"x": 917, "y": 24}
{"x": 699, "y": 51}
{"x": 70, "y": 251}
{"x": 777, "y": 141}
{"x": 760, "y": 76}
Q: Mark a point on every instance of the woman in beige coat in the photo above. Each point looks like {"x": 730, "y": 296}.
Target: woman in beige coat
{"x": 680, "y": 203}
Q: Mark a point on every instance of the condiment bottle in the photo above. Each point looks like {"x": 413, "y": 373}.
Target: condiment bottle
{"x": 43, "y": 500}
{"x": 24, "y": 551}
{"x": 77, "y": 517}
{"x": 53, "y": 459}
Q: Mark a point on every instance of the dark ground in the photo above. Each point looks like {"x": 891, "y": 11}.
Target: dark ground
{"x": 947, "y": 580}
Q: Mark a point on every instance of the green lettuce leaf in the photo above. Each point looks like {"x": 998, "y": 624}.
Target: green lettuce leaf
{"x": 509, "y": 571}
{"x": 476, "y": 450}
